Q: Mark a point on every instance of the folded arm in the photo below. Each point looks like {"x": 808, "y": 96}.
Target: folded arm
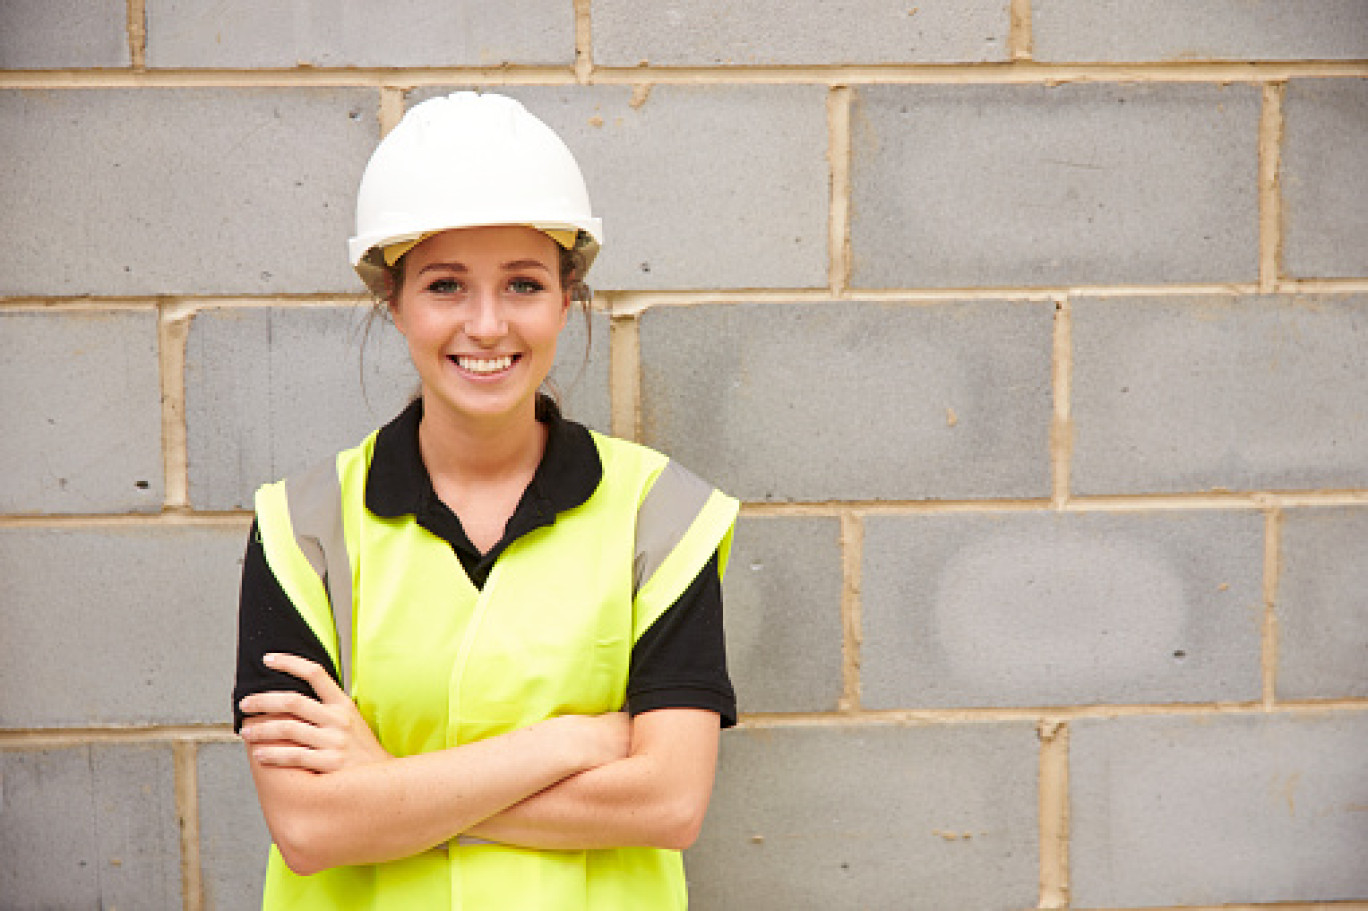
{"x": 656, "y": 796}
{"x": 332, "y": 796}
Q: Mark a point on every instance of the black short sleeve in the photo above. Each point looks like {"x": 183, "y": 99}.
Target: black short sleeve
{"x": 269, "y": 622}
{"x": 681, "y": 660}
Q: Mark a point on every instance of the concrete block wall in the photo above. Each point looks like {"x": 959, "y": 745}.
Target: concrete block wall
{"x": 1029, "y": 331}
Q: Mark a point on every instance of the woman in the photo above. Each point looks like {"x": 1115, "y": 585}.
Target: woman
{"x": 480, "y": 655}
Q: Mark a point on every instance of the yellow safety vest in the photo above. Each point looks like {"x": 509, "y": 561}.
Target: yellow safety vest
{"x": 433, "y": 663}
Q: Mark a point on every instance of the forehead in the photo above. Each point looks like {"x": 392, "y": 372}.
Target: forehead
{"x": 500, "y": 243}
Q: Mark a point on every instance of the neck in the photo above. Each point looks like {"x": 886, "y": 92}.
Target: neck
{"x": 467, "y": 451}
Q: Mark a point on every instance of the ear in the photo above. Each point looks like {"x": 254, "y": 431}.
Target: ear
{"x": 565, "y": 308}
{"x": 396, "y": 317}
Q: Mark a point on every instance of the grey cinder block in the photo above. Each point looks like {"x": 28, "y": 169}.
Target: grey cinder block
{"x": 919, "y": 817}
{"x": 1323, "y": 179}
{"x": 89, "y": 827}
{"x": 771, "y": 32}
{"x": 699, "y": 186}
{"x": 1218, "y": 810}
{"x": 1043, "y": 608}
{"x": 270, "y": 391}
{"x": 1322, "y": 604}
{"x": 1020, "y": 185}
{"x": 244, "y": 190}
{"x": 234, "y": 841}
{"x": 407, "y": 33}
{"x": 1207, "y": 393}
{"x": 1178, "y": 31}
{"x": 82, "y": 412}
{"x": 118, "y": 624}
{"x": 57, "y": 34}
{"x": 783, "y": 614}
{"x": 853, "y": 401}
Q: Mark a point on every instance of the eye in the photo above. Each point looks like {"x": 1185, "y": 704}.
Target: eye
{"x": 444, "y": 286}
{"x": 526, "y": 286}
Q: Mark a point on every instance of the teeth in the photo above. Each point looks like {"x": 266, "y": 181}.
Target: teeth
{"x": 485, "y": 365}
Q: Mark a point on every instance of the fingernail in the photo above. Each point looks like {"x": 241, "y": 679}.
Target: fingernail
{"x": 270, "y": 659}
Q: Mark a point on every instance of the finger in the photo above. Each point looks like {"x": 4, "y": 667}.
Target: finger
{"x": 291, "y": 731}
{"x": 311, "y": 672}
{"x": 290, "y": 756}
{"x": 285, "y": 702}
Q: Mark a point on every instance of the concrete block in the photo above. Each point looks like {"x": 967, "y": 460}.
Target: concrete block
{"x": 699, "y": 186}
{"x": 234, "y": 841}
{"x": 853, "y": 400}
{"x": 1039, "y": 609}
{"x": 62, "y": 34}
{"x": 783, "y": 614}
{"x": 1205, "y": 393}
{"x": 1218, "y": 810}
{"x": 772, "y": 32}
{"x": 118, "y": 624}
{"x": 270, "y": 391}
{"x": 405, "y": 33}
{"x": 581, "y": 371}
{"x": 89, "y": 827}
{"x": 1035, "y": 185}
{"x": 82, "y": 416}
{"x": 1176, "y": 31}
{"x": 235, "y": 190}
{"x": 1324, "y": 182}
{"x": 1322, "y": 604}
{"x": 871, "y": 817}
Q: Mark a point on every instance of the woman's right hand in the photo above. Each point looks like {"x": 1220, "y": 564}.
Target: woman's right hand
{"x": 289, "y": 730}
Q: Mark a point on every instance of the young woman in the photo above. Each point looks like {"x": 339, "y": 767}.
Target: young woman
{"x": 480, "y": 655}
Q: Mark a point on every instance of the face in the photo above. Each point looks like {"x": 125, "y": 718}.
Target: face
{"x": 481, "y": 309}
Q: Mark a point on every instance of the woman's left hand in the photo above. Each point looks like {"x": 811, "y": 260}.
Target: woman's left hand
{"x": 290, "y": 730}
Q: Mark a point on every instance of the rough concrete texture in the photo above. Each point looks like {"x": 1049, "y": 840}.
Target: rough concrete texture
{"x": 233, "y": 838}
{"x": 235, "y": 190}
{"x": 1204, "y": 393}
{"x": 699, "y": 186}
{"x": 853, "y": 401}
{"x": 146, "y": 615}
{"x": 871, "y": 817}
{"x": 783, "y": 614}
{"x": 1041, "y": 609}
{"x": 270, "y": 391}
{"x": 53, "y": 34}
{"x": 1322, "y": 604}
{"x": 82, "y": 414}
{"x": 1218, "y": 809}
{"x": 355, "y": 33}
{"x": 1176, "y": 31}
{"x": 776, "y": 32}
{"x": 89, "y": 827}
{"x": 1035, "y": 185}
{"x": 1324, "y": 181}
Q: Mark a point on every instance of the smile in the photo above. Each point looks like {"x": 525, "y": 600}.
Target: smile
{"x": 484, "y": 364}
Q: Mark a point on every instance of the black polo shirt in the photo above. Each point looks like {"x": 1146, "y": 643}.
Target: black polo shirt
{"x": 679, "y": 662}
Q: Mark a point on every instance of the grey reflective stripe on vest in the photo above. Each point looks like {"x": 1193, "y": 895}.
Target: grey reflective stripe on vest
{"x": 315, "y": 502}
{"x": 665, "y": 516}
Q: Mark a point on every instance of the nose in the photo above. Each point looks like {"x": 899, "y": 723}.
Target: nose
{"x": 486, "y": 321}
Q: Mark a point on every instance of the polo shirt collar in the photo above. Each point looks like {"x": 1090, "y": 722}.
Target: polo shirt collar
{"x": 398, "y": 482}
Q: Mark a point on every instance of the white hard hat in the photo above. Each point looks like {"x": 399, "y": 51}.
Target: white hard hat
{"x": 467, "y": 160}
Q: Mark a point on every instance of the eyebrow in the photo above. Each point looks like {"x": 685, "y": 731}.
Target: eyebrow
{"x": 511, "y": 266}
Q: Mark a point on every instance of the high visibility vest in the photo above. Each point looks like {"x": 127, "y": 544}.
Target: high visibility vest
{"x": 433, "y": 663}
